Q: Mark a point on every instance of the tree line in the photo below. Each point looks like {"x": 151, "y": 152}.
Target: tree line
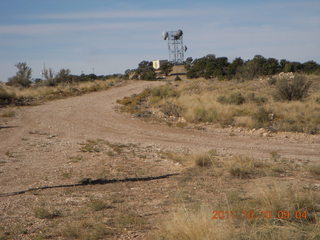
{"x": 211, "y": 66}
{"x": 23, "y": 77}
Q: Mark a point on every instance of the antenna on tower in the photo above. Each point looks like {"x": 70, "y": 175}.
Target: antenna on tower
{"x": 175, "y": 46}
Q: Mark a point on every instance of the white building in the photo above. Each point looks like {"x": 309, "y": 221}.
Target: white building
{"x": 158, "y": 63}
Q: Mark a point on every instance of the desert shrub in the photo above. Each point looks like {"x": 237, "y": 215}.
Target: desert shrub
{"x": 6, "y": 97}
{"x": 97, "y": 205}
{"x": 203, "y": 160}
{"x": 44, "y": 213}
{"x": 171, "y": 109}
{"x": 296, "y": 88}
{"x": 262, "y": 117}
{"x": 258, "y": 100}
{"x": 164, "y": 92}
{"x": 234, "y": 98}
{"x": 243, "y": 167}
{"x": 205, "y": 115}
{"x": 177, "y": 78}
{"x": 315, "y": 170}
{"x": 272, "y": 81}
{"x": 86, "y": 229}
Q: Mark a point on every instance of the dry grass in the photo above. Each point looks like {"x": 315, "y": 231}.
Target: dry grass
{"x": 44, "y": 213}
{"x": 98, "y": 204}
{"x": 315, "y": 170}
{"x": 8, "y": 114}
{"x": 244, "y": 167}
{"x": 188, "y": 224}
{"x": 206, "y": 159}
{"x": 85, "y": 230}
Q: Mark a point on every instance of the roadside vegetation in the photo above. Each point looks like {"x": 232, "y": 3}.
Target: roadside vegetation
{"x": 283, "y": 102}
{"x": 21, "y": 89}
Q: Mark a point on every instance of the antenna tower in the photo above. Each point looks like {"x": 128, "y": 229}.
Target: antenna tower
{"x": 175, "y": 46}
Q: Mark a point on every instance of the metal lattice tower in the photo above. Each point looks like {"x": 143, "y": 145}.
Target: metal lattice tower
{"x": 175, "y": 46}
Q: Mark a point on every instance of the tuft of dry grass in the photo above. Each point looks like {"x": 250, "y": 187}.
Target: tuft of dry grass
{"x": 8, "y": 114}
{"x": 243, "y": 167}
{"x": 188, "y": 225}
{"x": 86, "y": 229}
{"x": 44, "y": 213}
{"x": 206, "y": 159}
{"x": 98, "y": 205}
{"x": 315, "y": 170}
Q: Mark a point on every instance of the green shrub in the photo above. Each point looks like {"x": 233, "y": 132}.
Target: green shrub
{"x": 296, "y": 88}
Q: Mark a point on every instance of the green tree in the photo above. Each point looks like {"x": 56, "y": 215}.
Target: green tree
{"x": 145, "y": 71}
{"x": 166, "y": 68}
{"x": 310, "y": 67}
{"x": 22, "y": 77}
{"x": 63, "y": 76}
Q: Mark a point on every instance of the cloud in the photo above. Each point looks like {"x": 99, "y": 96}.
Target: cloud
{"x": 53, "y": 28}
{"x": 136, "y": 14}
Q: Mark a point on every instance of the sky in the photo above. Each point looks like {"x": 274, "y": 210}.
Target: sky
{"x": 110, "y": 36}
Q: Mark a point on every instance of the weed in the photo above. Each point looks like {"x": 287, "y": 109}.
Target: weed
{"x": 166, "y": 91}
{"x": 91, "y": 146}
{"x": 262, "y": 117}
{"x": 8, "y": 114}
{"x": 272, "y": 81}
{"x": 315, "y": 170}
{"x": 275, "y": 156}
{"x": 43, "y": 213}
{"x": 177, "y": 78}
{"x": 67, "y": 174}
{"x": 243, "y": 167}
{"x": 130, "y": 219}
{"x": 10, "y": 154}
{"x": 171, "y": 109}
{"x": 91, "y": 230}
{"x": 98, "y": 205}
{"x": 258, "y": 100}
{"x": 75, "y": 159}
{"x": 234, "y": 98}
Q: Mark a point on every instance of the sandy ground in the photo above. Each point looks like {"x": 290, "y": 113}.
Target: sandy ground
{"x": 41, "y": 142}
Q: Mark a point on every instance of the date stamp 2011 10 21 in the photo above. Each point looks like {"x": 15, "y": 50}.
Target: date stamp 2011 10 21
{"x": 251, "y": 214}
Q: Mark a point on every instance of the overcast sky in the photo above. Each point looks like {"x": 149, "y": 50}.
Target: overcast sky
{"x": 110, "y": 36}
